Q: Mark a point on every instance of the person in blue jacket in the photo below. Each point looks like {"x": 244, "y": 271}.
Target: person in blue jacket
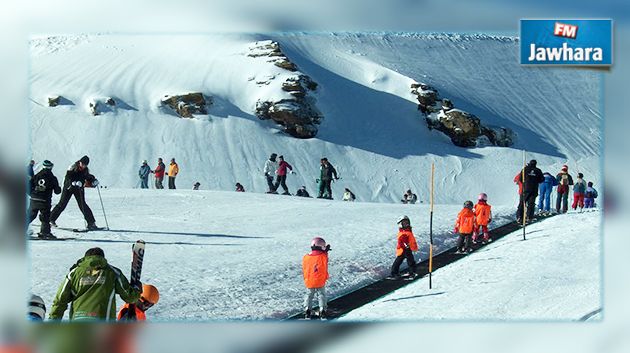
{"x": 143, "y": 173}
{"x": 544, "y": 192}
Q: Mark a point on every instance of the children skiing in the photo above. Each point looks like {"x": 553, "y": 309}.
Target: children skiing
{"x": 315, "y": 273}
{"x": 590, "y": 195}
{"x": 465, "y": 226}
{"x": 405, "y": 246}
{"x": 483, "y": 217}
{"x": 579, "y": 189}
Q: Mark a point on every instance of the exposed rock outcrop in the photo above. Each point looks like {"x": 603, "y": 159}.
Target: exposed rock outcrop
{"x": 299, "y": 114}
{"x": 185, "y": 105}
{"x": 463, "y": 128}
{"x": 54, "y": 101}
{"x": 98, "y": 106}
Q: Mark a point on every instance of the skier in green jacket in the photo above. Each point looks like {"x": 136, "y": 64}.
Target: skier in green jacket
{"x": 90, "y": 287}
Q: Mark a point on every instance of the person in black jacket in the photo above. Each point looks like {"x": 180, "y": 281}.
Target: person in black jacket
{"x": 42, "y": 185}
{"x": 302, "y": 192}
{"x": 77, "y": 176}
{"x": 327, "y": 173}
{"x": 533, "y": 176}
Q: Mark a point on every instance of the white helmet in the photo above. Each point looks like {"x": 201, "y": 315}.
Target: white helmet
{"x": 318, "y": 242}
{"x": 483, "y": 196}
{"x": 403, "y": 218}
{"x": 36, "y": 308}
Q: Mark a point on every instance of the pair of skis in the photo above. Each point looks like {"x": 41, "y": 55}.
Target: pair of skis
{"x": 137, "y": 250}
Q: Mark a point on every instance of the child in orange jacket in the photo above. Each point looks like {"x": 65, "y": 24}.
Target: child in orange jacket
{"x": 483, "y": 216}
{"x": 136, "y": 312}
{"x": 315, "y": 271}
{"x": 405, "y": 246}
{"x": 465, "y": 226}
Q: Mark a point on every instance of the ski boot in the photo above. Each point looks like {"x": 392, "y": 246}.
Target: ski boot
{"x": 46, "y": 236}
{"x": 308, "y": 314}
{"x": 92, "y": 226}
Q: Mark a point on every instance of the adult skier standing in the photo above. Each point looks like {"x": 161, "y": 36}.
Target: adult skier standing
{"x": 281, "y": 178}
{"x": 90, "y": 288}
{"x": 143, "y": 173}
{"x": 546, "y": 188}
{"x": 173, "y": 170}
{"x": 565, "y": 180}
{"x": 327, "y": 173}
{"x": 77, "y": 176}
{"x": 271, "y": 165}
{"x": 532, "y": 177}
{"x": 42, "y": 185}
{"x": 159, "y": 174}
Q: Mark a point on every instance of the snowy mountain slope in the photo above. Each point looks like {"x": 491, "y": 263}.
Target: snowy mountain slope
{"x": 371, "y": 132}
{"x": 554, "y": 275}
{"x": 228, "y": 256}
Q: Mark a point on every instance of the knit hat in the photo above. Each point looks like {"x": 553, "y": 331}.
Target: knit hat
{"x": 565, "y": 168}
{"x": 273, "y": 156}
{"x": 85, "y": 160}
{"x": 47, "y": 164}
{"x": 95, "y": 251}
{"x": 580, "y": 175}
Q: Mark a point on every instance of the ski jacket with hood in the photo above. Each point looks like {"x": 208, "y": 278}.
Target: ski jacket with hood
{"x": 282, "y": 168}
{"x": 76, "y": 174}
{"x": 315, "y": 269}
{"x": 533, "y": 177}
{"x": 173, "y": 170}
{"x": 159, "y": 170}
{"x": 144, "y": 171}
{"x": 90, "y": 287}
{"x": 136, "y": 315}
{"x": 564, "y": 179}
{"x": 405, "y": 239}
{"x": 270, "y": 167}
{"x": 43, "y": 184}
{"x": 579, "y": 186}
{"x": 327, "y": 172}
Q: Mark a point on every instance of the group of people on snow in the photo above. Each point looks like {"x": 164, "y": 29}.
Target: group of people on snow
{"x": 533, "y": 182}
{"x": 89, "y": 289}
{"x": 159, "y": 172}
{"x": 279, "y": 168}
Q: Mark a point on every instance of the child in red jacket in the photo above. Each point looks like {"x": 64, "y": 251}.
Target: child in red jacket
{"x": 465, "y": 226}
{"x": 483, "y": 216}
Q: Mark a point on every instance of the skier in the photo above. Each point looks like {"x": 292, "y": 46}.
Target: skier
{"x": 465, "y": 226}
{"x": 159, "y": 174}
{"x": 483, "y": 217}
{"x": 173, "y": 170}
{"x": 90, "y": 287}
{"x": 409, "y": 197}
{"x": 77, "y": 178}
{"x": 405, "y": 246}
{"x": 281, "y": 176}
{"x": 36, "y": 308}
{"x": 196, "y": 185}
{"x": 348, "y": 195}
{"x": 143, "y": 173}
{"x": 564, "y": 180}
{"x": 302, "y": 192}
{"x": 579, "y": 188}
{"x": 136, "y": 311}
{"x": 546, "y": 187}
{"x": 42, "y": 185}
{"x": 327, "y": 173}
{"x": 239, "y": 187}
{"x": 29, "y": 169}
{"x": 533, "y": 177}
{"x": 315, "y": 273}
{"x": 271, "y": 165}
{"x": 590, "y": 195}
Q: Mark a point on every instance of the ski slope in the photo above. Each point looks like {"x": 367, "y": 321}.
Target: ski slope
{"x": 237, "y": 256}
{"x": 555, "y": 275}
{"x": 371, "y": 132}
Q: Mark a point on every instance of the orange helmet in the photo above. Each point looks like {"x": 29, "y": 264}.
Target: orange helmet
{"x": 150, "y": 294}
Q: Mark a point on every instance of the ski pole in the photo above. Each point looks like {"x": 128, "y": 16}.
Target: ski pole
{"x": 431, "y": 230}
{"x": 523, "y": 194}
{"x": 102, "y": 207}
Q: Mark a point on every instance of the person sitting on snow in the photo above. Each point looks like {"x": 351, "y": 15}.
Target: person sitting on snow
{"x": 409, "y": 197}
{"x": 348, "y": 195}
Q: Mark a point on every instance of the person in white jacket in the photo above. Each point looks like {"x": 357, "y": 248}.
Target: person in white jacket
{"x": 271, "y": 165}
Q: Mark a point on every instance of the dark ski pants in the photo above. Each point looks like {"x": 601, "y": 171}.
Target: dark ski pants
{"x": 589, "y": 202}
{"x": 324, "y": 188}
{"x": 43, "y": 208}
{"x": 158, "y": 183}
{"x": 529, "y": 198}
{"x": 171, "y": 182}
{"x": 463, "y": 242}
{"x": 270, "y": 182}
{"x": 407, "y": 254}
{"x": 281, "y": 180}
{"x": 144, "y": 183}
{"x": 563, "y": 199}
{"x": 79, "y": 195}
